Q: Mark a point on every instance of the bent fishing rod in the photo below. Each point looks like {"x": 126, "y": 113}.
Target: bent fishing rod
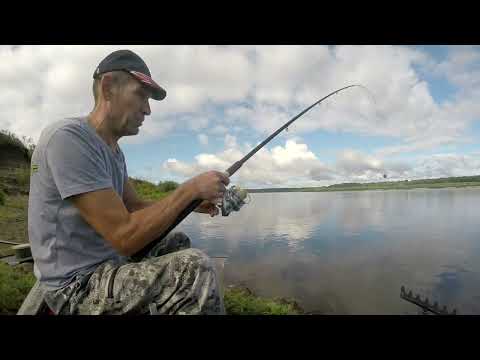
{"x": 237, "y": 165}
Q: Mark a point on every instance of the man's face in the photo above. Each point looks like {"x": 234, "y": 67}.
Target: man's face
{"x": 129, "y": 107}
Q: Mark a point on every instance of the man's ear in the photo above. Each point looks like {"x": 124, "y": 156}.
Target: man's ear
{"x": 106, "y": 84}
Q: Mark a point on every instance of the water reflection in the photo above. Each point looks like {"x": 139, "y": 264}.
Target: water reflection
{"x": 350, "y": 252}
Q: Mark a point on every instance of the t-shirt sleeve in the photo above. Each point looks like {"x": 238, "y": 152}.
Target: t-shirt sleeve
{"x": 126, "y": 172}
{"x": 75, "y": 164}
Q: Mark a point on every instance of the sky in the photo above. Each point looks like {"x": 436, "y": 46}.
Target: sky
{"x": 417, "y": 118}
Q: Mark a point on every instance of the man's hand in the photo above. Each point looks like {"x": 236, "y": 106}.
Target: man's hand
{"x": 207, "y": 207}
{"x": 210, "y": 185}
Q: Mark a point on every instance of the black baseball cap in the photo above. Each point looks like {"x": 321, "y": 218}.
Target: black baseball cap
{"x": 127, "y": 60}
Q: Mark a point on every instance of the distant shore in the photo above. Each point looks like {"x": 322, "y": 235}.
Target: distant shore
{"x": 454, "y": 182}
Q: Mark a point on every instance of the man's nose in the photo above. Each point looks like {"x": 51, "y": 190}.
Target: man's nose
{"x": 146, "y": 108}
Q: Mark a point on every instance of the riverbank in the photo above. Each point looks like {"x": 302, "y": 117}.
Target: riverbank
{"x": 439, "y": 183}
{"x": 16, "y": 281}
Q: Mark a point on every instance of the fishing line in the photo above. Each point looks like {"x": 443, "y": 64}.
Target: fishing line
{"x": 235, "y": 196}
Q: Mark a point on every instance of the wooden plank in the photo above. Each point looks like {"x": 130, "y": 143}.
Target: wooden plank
{"x": 9, "y": 242}
{"x": 219, "y": 262}
{"x": 34, "y": 303}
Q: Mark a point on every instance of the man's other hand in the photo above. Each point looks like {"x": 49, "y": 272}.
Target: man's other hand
{"x": 207, "y": 207}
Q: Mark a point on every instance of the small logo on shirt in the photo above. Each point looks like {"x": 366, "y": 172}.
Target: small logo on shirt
{"x": 34, "y": 168}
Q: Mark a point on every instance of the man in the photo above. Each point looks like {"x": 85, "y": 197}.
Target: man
{"x": 86, "y": 222}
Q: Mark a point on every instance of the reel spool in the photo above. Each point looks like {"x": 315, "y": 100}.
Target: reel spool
{"x": 233, "y": 200}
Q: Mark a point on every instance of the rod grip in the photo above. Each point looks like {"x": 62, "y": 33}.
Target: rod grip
{"x": 190, "y": 208}
{"x": 193, "y": 205}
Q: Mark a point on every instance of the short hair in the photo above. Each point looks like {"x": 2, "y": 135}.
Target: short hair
{"x": 119, "y": 80}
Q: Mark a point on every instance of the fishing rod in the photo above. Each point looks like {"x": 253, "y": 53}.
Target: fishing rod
{"x": 234, "y": 168}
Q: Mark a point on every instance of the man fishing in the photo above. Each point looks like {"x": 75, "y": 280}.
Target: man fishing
{"x": 87, "y": 226}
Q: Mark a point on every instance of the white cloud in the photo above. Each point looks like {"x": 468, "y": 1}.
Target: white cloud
{"x": 218, "y": 130}
{"x": 295, "y": 165}
{"x": 290, "y": 164}
{"x": 461, "y": 67}
{"x": 416, "y": 145}
{"x": 355, "y": 163}
{"x": 203, "y": 139}
{"x": 197, "y": 123}
{"x": 445, "y": 165}
{"x": 39, "y": 88}
{"x": 224, "y": 90}
{"x": 278, "y": 80}
{"x": 230, "y": 141}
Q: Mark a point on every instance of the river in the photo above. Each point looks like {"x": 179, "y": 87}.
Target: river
{"x": 350, "y": 252}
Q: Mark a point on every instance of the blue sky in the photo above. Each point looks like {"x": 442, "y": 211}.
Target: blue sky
{"x": 223, "y": 100}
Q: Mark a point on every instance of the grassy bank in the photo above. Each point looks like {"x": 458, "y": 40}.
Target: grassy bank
{"x": 242, "y": 301}
{"x": 449, "y": 182}
{"x": 13, "y": 222}
{"x": 16, "y": 282}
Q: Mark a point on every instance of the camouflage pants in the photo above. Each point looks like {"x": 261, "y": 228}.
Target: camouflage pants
{"x": 171, "y": 279}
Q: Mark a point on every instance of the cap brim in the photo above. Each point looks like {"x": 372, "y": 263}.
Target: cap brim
{"x": 158, "y": 93}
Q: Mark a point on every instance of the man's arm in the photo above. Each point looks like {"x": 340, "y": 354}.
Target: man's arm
{"x": 129, "y": 232}
{"x": 132, "y": 200}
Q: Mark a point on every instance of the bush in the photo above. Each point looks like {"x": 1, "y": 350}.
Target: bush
{"x": 146, "y": 190}
{"x": 166, "y": 186}
{"x": 25, "y": 143}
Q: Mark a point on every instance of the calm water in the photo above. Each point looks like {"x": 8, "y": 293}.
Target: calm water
{"x": 350, "y": 252}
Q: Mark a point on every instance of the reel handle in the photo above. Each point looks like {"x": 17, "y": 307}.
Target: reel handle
{"x": 189, "y": 209}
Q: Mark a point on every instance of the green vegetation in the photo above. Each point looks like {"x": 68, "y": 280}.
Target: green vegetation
{"x": 148, "y": 191}
{"x": 241, "y": 301}
{"x": 25, "y": 144}
{"x": 15, "y": 180}
{"x": 13, "y": 222}
{"x": 167, "y": 186}
{"x": 22, "y": 176}
{"x": 457, "y": 182}
{"x": 15, "y": 283}
{"x": 3, "y": 197}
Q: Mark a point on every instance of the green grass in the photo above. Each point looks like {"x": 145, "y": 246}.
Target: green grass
{"x": 22, "y": 177}
{"x": 15, "y": 283}
{"x": 13, "y": 222}
{"x": 15, "y": 180}
{"x": 240, "y": 301}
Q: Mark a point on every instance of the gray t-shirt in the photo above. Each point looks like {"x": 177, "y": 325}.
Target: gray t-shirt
{"x": 69, "y": 159}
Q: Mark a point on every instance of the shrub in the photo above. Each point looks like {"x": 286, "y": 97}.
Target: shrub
{"x": 166, "y": 186}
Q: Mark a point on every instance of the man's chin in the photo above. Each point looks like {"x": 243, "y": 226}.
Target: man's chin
{"x": 133, "y": 132}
